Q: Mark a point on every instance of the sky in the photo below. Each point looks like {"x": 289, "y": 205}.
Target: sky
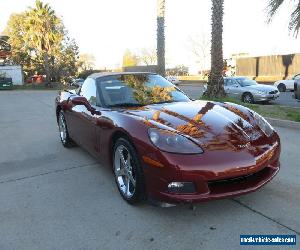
{"x": 107, "y": 28}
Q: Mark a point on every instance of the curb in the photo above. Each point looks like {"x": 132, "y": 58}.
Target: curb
{"x": 283, "y": 123}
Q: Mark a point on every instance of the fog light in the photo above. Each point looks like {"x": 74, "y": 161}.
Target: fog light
{"x": 181, "y": 187}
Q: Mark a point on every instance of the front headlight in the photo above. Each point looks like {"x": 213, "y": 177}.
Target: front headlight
{"x": 261, "y": 92}
{"x": 263, "y": 124}
{"x": 172, "y": 142}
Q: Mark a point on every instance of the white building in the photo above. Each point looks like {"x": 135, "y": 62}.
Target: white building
{"x": 14, "y": 72}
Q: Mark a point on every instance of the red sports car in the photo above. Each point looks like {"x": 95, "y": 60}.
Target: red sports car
{"x": 164, "y": 146}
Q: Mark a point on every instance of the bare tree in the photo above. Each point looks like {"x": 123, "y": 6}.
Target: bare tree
{"x": 199, "y": 46}
{"x": 147, "y": 56}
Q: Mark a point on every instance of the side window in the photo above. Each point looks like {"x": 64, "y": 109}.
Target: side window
{"x": 297, "y": 77}
{"x": 88, "y": 90}
{"x": 230, "y": 82}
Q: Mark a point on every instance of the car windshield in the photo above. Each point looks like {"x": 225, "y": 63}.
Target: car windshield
{"x": 138, "y": 90}
{"x": 244, "y": 82}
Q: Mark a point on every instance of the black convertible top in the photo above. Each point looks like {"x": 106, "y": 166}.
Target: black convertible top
{"x": 102, "y": 74}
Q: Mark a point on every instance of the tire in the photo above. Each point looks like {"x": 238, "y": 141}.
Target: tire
{"x": 129, "y": 177}
{"x": 281, "y": 87}
{"x": 247, "y": 98}
{"x": 63, "y": 131}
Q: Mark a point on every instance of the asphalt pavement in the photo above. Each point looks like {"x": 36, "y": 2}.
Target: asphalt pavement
{"x": 285, "y": 99}
{"x": 57, "y": 198}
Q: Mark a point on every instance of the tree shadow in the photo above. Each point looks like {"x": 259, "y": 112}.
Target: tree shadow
{"x": 287, "y": 61}
{"x": 257, "y": 59}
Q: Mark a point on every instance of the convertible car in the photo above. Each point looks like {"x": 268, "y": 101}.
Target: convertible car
{"x": 162, "y": 145}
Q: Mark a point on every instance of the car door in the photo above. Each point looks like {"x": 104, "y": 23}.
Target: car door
{"x": 289, "y": 84}
{"x": 231, "y": 88}
{"x": 84, "y": 119}
{"x": 296, "y": 79}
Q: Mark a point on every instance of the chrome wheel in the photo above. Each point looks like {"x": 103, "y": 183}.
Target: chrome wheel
{"x": 62, "y": 128}
{"x": 124, "y": 171}
{"x": 248, "y": 98}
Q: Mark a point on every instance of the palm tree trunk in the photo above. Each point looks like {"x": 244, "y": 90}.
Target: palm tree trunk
{"x": 47, "y": 69}
{"x": 215, "y": 87}
{"x": 161, "y": 37}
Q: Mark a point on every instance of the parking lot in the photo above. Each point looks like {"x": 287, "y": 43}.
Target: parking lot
{"x": 58, "y": 198}
{"x": 285, "y": 98}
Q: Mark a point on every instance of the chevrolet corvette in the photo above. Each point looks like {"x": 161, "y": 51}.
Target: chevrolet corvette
{"x": 163, "y": 146}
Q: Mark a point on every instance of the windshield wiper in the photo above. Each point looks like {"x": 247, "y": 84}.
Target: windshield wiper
{"x": 165, "y": 102}
{"x": 126, "y": 104}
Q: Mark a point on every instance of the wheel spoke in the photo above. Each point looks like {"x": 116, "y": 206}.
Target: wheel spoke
{"x": 132, "y": 180}
{"x": 128, "y": 162}
{"x": 122, "y": 157}
{"x": 127, "y": 186}
{"x": 120, "y": 172}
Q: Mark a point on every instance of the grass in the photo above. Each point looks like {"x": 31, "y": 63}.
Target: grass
{"x": 266, "y": 110}
{"x": 54, "y": 86}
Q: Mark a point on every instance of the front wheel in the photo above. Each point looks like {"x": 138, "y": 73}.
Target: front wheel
{"x": 128, "y": 171}
{"x": 63, "y": 131}
{"x": 248, "y": 98}
{"x": 281, "y": 87}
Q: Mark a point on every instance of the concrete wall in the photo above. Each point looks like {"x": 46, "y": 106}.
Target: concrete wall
{"x": 276, "y": 67}
{"x": 15, "y": 72}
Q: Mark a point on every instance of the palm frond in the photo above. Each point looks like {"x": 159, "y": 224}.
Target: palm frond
{"x": 294, "y": 24}
{"x": 272, "y": 8}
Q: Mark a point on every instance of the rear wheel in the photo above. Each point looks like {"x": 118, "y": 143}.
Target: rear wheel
{"x": 128, "y": 171}
{"x": 63, "y": 131}
{"x": 281, "y": 87}
{"x": 247, "y": 98}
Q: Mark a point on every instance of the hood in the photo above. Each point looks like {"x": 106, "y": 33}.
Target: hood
{"x": 212, "y": 125}
{"x": 262, "y": 87}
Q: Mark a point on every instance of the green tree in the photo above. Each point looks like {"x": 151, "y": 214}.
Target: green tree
{"x": 294, "y": 23}
{"x": 40, "y": 43}
{"x": 130, "y": 59}
{"x": 161, "y": 9}
{"x": 45, "y": 32}
{"x": 215, "y": 86}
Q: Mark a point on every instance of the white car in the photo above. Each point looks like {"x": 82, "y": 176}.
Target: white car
{"x": 173, "y": 79}
{"x": 284, "y": 85}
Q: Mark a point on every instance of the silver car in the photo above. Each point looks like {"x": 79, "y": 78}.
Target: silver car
{"x": 249, "y": 90}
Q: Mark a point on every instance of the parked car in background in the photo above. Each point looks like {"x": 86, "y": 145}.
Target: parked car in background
{"x": 6, "y": 83}
{"x": 284, "y": 85}
{"x": 173, "y": 79}
{"x": 36, "y": 79}
{"x": 297, "y": 90}
{"x": 248, "y": 90}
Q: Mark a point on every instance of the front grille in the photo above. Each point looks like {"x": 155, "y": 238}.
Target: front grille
{"x": 238, "y": 183}
{"x": 273, "y": 92}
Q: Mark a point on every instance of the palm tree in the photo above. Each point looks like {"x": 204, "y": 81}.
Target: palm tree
{"x": 161, "y": 37}
{"x": 45, "y": 31}
{"x": 294, "y": 23}
{"x": 215, "y": 86}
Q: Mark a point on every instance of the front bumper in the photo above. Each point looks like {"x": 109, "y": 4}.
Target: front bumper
{"x": 265, "y": 97}
{"x": 213, "y": 179}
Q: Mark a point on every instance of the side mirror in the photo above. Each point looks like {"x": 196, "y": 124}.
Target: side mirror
{"x": 80, "y": 100}
{"x": 236, "y": 85}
